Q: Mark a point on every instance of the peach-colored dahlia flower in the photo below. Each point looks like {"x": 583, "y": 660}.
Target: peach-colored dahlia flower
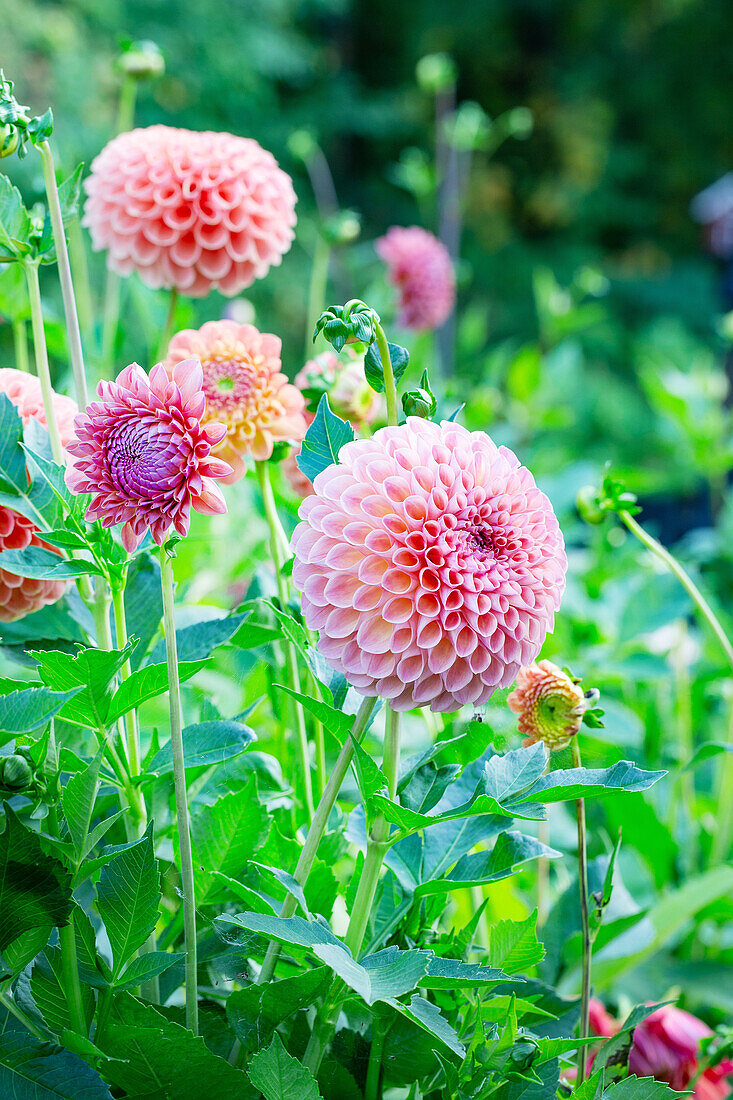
{"x": 194, "y": 211}
{"x": 430, "y": 563}
{"x": 550, "y": 706}
{"x": 245, "y": 389}
{"x": 19, "y": 596}
{"x": 420, "y": 267}
{"x": 144, "y": 453}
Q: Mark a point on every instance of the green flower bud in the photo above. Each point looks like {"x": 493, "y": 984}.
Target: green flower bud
{"x": 142, "y": 61}
{"x": 342, "y": 228}
{"x": 8, "y": 140}
{"x": 436, "y": 72}
{"x": 15, "y": 773}
{"x": 302, "y": 145}
{"x": 519, "y": 122}
{"x": 589, "y": 505}
{"x": 419, "y": 403}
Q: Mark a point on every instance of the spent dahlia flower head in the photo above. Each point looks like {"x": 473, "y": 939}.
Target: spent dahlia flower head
{"x": 421, "y": 269}
{"x": 430, "y": 563}
{"x": 194, "y": 211}
{"x": 666, "y": 1046}
{"x": 19, "y": 596}
{"x": 549, "y": 703}
{"x": 144, "y": 453}
{"x": 245, "y": 389}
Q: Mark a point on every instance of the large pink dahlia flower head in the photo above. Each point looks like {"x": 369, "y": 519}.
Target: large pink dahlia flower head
{"x": 19, "y": 596}
{"x": 194, "y": 211}
{"x": 430, "y": 563}
{"x": 144, "y": 454}
{"x": 245, "y": 389}
{"x": 421, "y": 269}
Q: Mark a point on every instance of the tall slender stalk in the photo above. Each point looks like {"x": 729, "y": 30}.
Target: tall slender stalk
{"x": 132, "y": 730}
{"x": 685, "y": 580}
{"x": 318, "y": 826}
{"x": 41, "y": 353}
{"x": 291, "y": 660}
{"x": 67, "y": 944}
{"x": 20, "y": 346}
{"x": 390, "y": 388}
{"x": 64, "y": 267}
{"x": 179, "y": 780}
{"x": 584, "y": 1025}
{"x": 82, "y": 286}
{"x": 377, "y": 847}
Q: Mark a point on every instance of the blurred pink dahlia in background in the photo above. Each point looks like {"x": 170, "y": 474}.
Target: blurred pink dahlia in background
{"x": 194, "y": 211}
{"x": 245, "y": 389}
{"x": 430, "y": 563}
{"x": 549, "y": 704}
{"x": 144, "y": 453}
{"x": 420, "y": 267}
{"x": 20, "y": 596}
{"x": 666, "y": 1046}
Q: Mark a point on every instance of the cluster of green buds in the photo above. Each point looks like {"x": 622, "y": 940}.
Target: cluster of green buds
{"x": 595, "y": 504}
{"x": 17, "y": 127}
{"x": 354, "y": 323}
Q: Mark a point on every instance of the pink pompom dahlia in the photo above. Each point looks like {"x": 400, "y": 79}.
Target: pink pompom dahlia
{"x": 144, "y": 454}
{"x": 19, "y": 596}
{"x": 430, "y": 563}
{"x": 194, "y": 211}
{"x": 245, "y": 389}
{"x": 420, "y": 267}
{"x": 550, "y": 705}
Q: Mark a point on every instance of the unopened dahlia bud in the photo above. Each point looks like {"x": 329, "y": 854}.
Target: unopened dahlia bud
{"x": 419, "y": 403}
{"x": 342, "y": 228}
{"x": 15, "y": 773}
{"x": 142, "y": 61}
{"x": 549, "y": 703}
{"x": 436, "y": 72}
{"x": 8, "y": 140}
{"x": 589, "y": 506}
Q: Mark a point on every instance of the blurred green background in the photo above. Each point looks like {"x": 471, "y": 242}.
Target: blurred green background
{"x": 589, "y": 322}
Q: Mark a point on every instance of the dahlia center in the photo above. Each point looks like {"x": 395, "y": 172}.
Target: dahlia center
{"x": 228, "y": 383}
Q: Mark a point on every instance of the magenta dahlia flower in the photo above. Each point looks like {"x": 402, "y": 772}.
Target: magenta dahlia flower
{"x": 421, "y": 269}
{"x": 19, "y": 596}
{"x": 144, "y": 454}
{"x": 194, "y": 211}
{"x": 245, "y": 389}
{"x": 430, "y": 563}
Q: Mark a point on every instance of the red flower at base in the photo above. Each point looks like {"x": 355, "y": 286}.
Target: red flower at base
{"x": 19, "y": 596}
{"x": 145, "y": 455}
{"x": 666, "y": 1046}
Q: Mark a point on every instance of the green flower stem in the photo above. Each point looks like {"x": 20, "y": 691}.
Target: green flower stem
{"x": 42, "y": 368}
{"x": 64, "y": 267}
{"x": 317, "y": 289}
{"x": 377, "y": 843}
{"x": 126, "y": 104}
{"x": 80, "y": 275}
{"x": 179, "y": 778}
{"x": 374, "y": 1068}
{"x": 723, "y": 835}
{"x": 131, "y": 723}
{"x": 291, "y": 660}
{"x": 390, "y": 388}
{"x": 685, "y": 580}
{"x": 20, "y": 346}
{"x": 318, "y": 826}
{"x": 584, "y": 1025}
{"x": 377, "y": 847}
{"x": 7, "y": 1002}
{"x": 69, "y": 961}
